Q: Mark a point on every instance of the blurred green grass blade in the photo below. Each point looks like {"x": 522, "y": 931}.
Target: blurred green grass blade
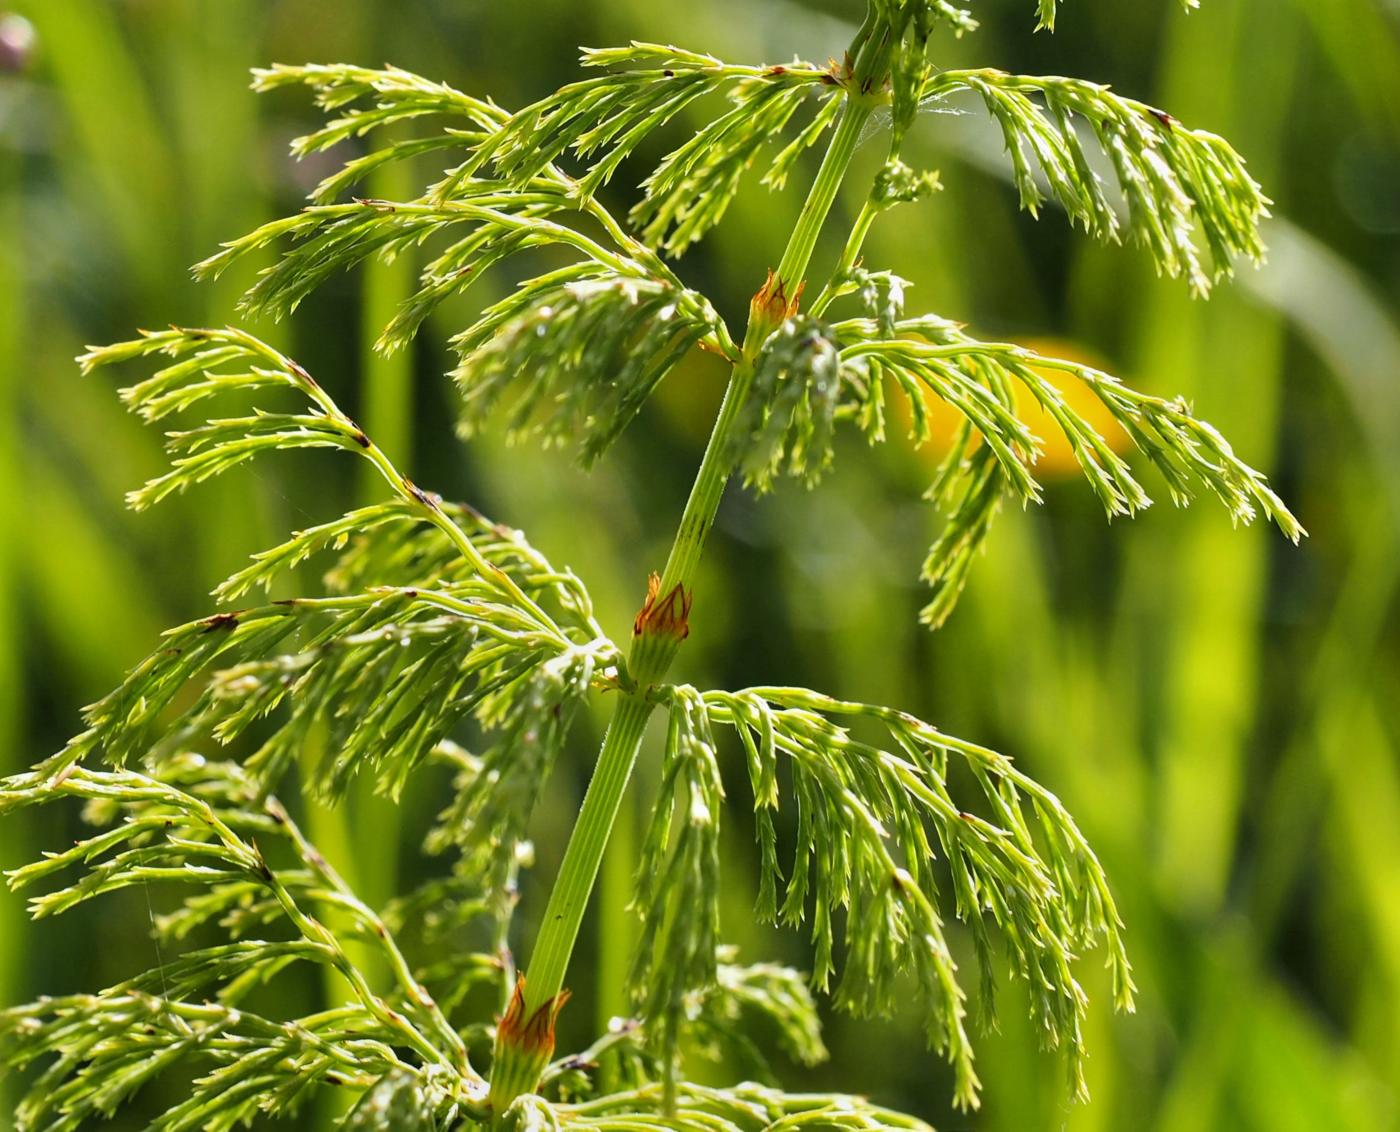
{"x": 1359, "y": 37}
{"x": 91, "y": 598}
{"x": 1229, "y": 358}
{"x": 206, "y": 50}
{"x": 1361, "y": 759}
{"x": 1209, "y": 708}
{"x": 1335, "y": 309}
{"x": 1296, "y": 1076}
{"x": 388, "y": 389}
{"x": 1348, "y": 658}
{"x": 1255, "y": 1059}
{"x": 13, "y": 316}
{"x": 121, "y": 150}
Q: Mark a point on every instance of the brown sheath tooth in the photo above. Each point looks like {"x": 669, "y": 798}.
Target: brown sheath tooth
{"x": 771, "y": 303}
{"x": 535, "y": 1034}
{"x": 664, "y": 616}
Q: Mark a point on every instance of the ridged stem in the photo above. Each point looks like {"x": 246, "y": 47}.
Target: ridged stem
{"x": 652, "y": 653}
{"x": 579, "y": 868}
{"x": 522, "y": 1050}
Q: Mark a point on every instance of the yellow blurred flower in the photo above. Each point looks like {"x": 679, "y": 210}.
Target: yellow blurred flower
{"x": 691, "y": 396}
{"x": 1056, "y": 456}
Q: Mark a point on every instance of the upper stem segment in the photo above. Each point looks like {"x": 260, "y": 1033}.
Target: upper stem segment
{"x": 652, "y": 653}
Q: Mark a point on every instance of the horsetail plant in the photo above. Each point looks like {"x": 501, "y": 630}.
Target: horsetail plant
{"x": 433, "y": 616}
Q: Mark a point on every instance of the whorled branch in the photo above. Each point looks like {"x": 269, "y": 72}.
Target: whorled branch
{"x": 1174, "y": 181}
{"x": 875, "y": 817}
{"x": 207, "y": 825}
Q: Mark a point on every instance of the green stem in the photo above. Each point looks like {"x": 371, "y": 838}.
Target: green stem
{"x": 572, "y": 887}
{"x": 520, "y": 1058}
{"x": 849, "y": 254}
{"x": 652, "y": 654}
{"x": 615, "y": 929}
{"x": 793, "y": 266}
{"x": 519, "y": 1063}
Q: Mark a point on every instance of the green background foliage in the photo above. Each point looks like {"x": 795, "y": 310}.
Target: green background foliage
{"x": 1216, "y": 707}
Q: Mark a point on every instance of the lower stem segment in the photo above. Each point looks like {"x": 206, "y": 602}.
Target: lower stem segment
{"x": 525, "y": 1037}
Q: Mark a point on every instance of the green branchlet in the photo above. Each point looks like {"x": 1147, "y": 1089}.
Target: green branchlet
{"x": 207, "y": 825}
{"x": 1173, "y": 180}
{"x": 678, "y": 879}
